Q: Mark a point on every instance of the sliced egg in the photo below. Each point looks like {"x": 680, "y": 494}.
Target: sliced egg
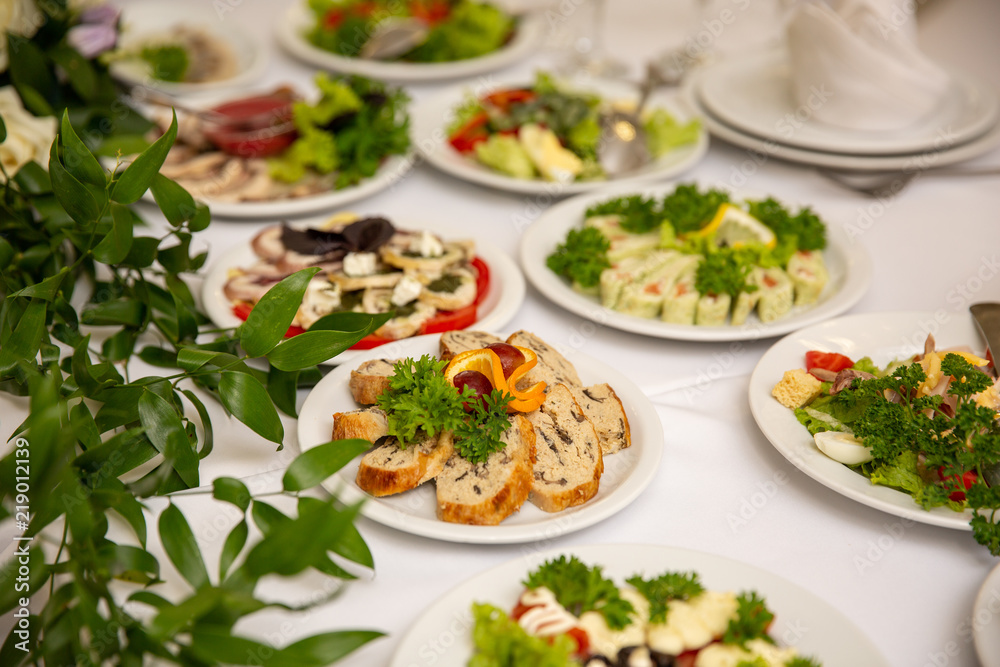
{"x": 843, "y": 447}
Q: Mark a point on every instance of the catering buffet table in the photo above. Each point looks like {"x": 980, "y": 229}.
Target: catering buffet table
{"x": 721, "y": 487}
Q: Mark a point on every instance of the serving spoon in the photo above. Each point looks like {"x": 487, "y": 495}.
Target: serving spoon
{"x": 393, "y": 37}
{"x": 623, "y": 147}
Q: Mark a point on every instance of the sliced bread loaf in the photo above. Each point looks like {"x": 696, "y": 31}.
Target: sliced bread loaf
{"x": 455, "y": 342}
{"x": 387, "y": 468}
{"x": 605, "y": 410}
{"x": 569, "y": 462}
{"x": 367, "y": 423}
{"x": 485, "y": 494}
{"x": 552, "y": 368}
{"x": 370, "y": 379}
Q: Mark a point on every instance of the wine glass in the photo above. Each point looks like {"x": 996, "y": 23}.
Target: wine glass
{"x": 589, "y": 52}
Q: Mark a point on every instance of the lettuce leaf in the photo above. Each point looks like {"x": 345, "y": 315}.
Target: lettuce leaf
{"x": 900, "y": 474}
{"x": 664, "y": 133}
{"x": 501, "y": 642}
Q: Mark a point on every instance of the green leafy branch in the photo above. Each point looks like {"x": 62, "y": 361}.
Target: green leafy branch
{"x": 99, "y": 442}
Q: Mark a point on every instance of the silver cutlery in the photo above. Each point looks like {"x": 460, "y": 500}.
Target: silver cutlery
{"x": 887, "y": 183}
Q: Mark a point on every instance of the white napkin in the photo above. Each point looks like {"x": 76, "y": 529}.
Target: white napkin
{"x": 859, "y": 68}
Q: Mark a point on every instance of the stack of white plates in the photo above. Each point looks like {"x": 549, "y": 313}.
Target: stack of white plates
{"x": 748, "y": 102}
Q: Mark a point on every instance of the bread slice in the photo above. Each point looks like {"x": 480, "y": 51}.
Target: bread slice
{"x": 367, "y": 423}
{"x": 552, "y": 368}
{"x": 569, "y": 462}
{"x": 455, "y": 342}
{"x": 370, "y": 379}
{"x": 387, "y": 468}
{"x": 485, "y": 494}
{"x": 605, "y": 410}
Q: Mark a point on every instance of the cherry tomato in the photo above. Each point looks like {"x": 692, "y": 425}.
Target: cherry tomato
{"x": 968, "y": 478}
{"x": 333, "y": 18}
{"x": 465, "y": 138}
{"x": 831, "y": 361}
{"x": 430, "y": 11}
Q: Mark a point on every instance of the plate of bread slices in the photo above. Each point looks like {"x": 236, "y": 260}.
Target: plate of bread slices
{"x": 482, "y": 438}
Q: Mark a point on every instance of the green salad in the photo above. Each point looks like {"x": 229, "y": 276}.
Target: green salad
{"x": 696, "y": 257}
{"x": 926, "y": 426}
{"x": 355, "y": 125}
{"x": 457, "y": 29}
{"x": 551, "y": 132}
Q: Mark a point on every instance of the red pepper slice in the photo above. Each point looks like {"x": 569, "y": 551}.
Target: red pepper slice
{"x": 503, "y": 99}
{"x": 465, "y": 138}
{"x": 967, "y": 479}
{"x": 831, "y": 361}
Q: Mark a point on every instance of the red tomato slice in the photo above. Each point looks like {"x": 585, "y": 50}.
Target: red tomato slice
{"x": 482, "y": 279}
{"x": 465, "y": 138}
{"x": 831, "y": 361}
{"x": 968, "y": 478}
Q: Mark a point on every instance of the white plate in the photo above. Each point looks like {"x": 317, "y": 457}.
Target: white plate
{"x": 753, "y": 94}
{"x": 849, "y": 266}
{"x": 626, "y": 473}
{"x": 986, "y": 620}
{"x": 883, "y": 337}
{"x": 948, "y": 154}
{"x": 298, "y": 19}
{"x": 839, "y": 641}
{"x": 142, "y": 20}
{"x": 503, "y": 297}
{"x": 432, "y": 116}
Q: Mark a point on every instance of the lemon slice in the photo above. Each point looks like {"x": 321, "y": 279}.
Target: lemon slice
{"x": 734, "y": 227}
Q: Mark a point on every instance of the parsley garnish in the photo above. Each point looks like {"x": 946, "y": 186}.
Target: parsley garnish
{"x": 582, "y": 257}
{"x": 479, "y": 436}
{"x": 638, "y": 214}
{"x": 664, "y": 588}
{"x": 688, "y": 209}
{"x": 724, "y": 272}
{"x": 420, "y": 401}
{"x": 805, "y": 226}
{"x": 751, "y": 622}
{"x": 580, "y": 588}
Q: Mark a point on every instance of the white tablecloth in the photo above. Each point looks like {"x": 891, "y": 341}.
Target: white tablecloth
{"x": 909, "y": 586}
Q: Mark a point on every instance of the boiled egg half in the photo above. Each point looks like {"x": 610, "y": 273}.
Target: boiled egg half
{"x": 843, "y": 447}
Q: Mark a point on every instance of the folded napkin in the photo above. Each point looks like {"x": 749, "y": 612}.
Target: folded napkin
{"x": 858, "y": 67}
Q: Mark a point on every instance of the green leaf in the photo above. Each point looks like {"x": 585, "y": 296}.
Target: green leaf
{"x": 349, "y": 544}
{"x": 166, "y": 431}
{"x": 246, "y": 398}
{"x": 38, "y": 573}
{"x": 176, "y": 203}
{"x": 158, "y": 356}
{"x": 282, "y": 387}
{"x": 80, "y": 72}
{"x": 206, "y": 423}
{"x": 33, "y": 179}
{"x": 201, "y": 219}
{"x": 130, "y": 509}
{"x": 218, "y": 645}
{"x": 28, "y": 71}
{"x": 181, "y": 547}
{"x": 27, "y": 336}
{"x": 127, "y": 312}
{"x": 139, "y": 175}
{"x": 172, "y": 619}
{"x": 313, "y": 466}
{"x": 3, "y": 131}
{"x": 115, "y": 246}
{"x": 77, "y": 159}
{"x": 311, "y": 348}
{"x": 130, "y": 563}
{"x": 234, "y": 544}
{"x": 232, "y": 491}
{"x": 322, "y": 649}
{"x": 270, "y": 318}
{"x": 74, "y": 196}
{"x": 47, "y": 288}
{"x": 142, "y": 253}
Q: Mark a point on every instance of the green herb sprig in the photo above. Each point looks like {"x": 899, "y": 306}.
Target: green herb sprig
{"x": 581, "y": 588}
{"x": 420, "y": 402}
{"x": 582, "y": 257}
{"x": 479, "y": 436}
{"x": 751, "y": 621}
{"x": 661, "y": 590}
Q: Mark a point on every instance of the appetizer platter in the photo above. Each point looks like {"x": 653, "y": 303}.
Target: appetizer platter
{"x": 543, "y": 137}
{"x": 539, "y": 444}
{"x": 273, "y": 153}
{"x": 183, "y": 51}
{"x": 884, "y": 339}
{"x": 986, "y": 619}
{"x": 693, "y": 263}
{"x": 463, "y": 38}
{"x": 493, "y": 594}
{"x": 442, "y": 283}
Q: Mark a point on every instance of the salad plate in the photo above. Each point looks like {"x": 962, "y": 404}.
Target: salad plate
{"x": 946, "y": 154}
{"x": 626, "y": 474}
{"x": 298, "y": 19}
{"x": 432, "y": 116}
{"x": 839, "y": 641}
{"x": 503, "y": 297}
{"x": 145, "y": 21}
{"x": 848, "y": 264}
{"x": 986, "y": 619}
{"x": 883, "y": 337}
{"x": 753, "y": 95}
